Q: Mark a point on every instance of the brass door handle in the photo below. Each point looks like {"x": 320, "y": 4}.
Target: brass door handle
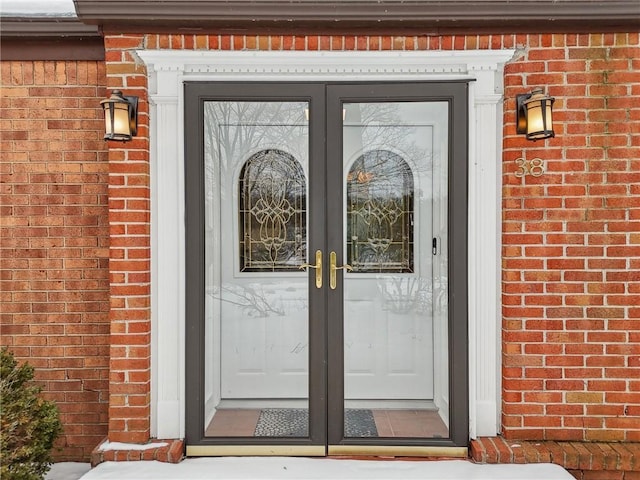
{"x": 333, "y": 269}
{"x": 317, "y": 266}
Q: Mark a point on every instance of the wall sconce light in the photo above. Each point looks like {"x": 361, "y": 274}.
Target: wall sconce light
{"x": 120, "y": 117}
{"x": 534, "y": 116}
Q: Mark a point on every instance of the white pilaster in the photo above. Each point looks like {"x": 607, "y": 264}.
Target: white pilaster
{"x": 485, "y": 167}
{"x": 167, "y": 247}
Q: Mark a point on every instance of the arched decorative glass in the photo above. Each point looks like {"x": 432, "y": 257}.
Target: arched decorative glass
{"x": 273, "y": 233}
{"x": 380, "y": 213}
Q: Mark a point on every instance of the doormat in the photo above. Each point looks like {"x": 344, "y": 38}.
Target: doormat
{"x": 359, "y": 423}
{"x": 294, "y": 422}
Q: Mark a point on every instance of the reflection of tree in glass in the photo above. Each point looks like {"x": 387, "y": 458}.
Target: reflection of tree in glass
{"x": 262, "y": 300}
{"x": 383, "y": 125}
{"x": 268, "y": 139}
{"x": 236, "y": 130}
{"x": 405, "y": 294}
{"x": 253, "y": 301}
{"x": 380, "y": 213}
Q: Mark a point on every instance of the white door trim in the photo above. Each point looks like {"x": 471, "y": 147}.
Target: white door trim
{"x": 169, "y": 69}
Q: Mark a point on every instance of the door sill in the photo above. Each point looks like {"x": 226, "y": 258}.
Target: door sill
{"x": 398, "y": 451}
{"x": 256, "y": 450}
{"x": 321, "y": 451}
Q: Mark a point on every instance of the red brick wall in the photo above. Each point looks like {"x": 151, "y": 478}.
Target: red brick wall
{"x": 130, "y": 255}
{"x": 571, "y": 245}
{"x": 54, "y": 239}
{"x": 570, "y": 291}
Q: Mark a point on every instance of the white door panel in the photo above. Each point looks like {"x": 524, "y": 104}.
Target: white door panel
{"x": 266, "y": 356}
{"x": 386, "y": 352}
{"x": 388, "y": 320}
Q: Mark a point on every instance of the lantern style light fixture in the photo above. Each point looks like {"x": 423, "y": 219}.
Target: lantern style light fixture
{"x": 120, "y": 117}
{"x": 534, "y": 115}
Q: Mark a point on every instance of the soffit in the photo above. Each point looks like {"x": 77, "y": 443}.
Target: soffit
{"x": 370, "y": 16}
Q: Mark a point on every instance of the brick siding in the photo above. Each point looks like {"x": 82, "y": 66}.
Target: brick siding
{"x": 584, "y": 460}
{"x": 571, "y": 245}
{"x": 54, "y": 239}
{"x": 130, "y": 256}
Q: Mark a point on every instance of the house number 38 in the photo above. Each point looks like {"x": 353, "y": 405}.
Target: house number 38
{"x": 533, "y": 167}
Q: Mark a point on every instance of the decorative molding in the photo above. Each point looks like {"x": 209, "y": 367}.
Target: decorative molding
{"x": 326, "y": 65}
{"x": 168, "y": 70}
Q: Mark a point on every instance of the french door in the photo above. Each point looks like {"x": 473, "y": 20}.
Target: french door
{"x": 326, "y": 268}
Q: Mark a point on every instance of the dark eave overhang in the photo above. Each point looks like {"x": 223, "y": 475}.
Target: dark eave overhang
{"x": 49, "y": 38}
{"x": 355, "y": 16}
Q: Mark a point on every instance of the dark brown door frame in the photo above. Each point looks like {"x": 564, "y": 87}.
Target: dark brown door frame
{"x": 326, "y": 337}
{"x": 196, "y": 93}
{"x": 456, "y": 94}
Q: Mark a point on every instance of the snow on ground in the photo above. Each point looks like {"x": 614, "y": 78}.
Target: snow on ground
{"x": 282, "y": 468}
{"x": 67, "y": 471}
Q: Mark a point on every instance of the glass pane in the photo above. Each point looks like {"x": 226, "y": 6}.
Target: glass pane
{"x": 395, "y": 325}
{"x": 256, "y": 359}
{"x": 273, "y": 230}
{"x": 380, "y": 213}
